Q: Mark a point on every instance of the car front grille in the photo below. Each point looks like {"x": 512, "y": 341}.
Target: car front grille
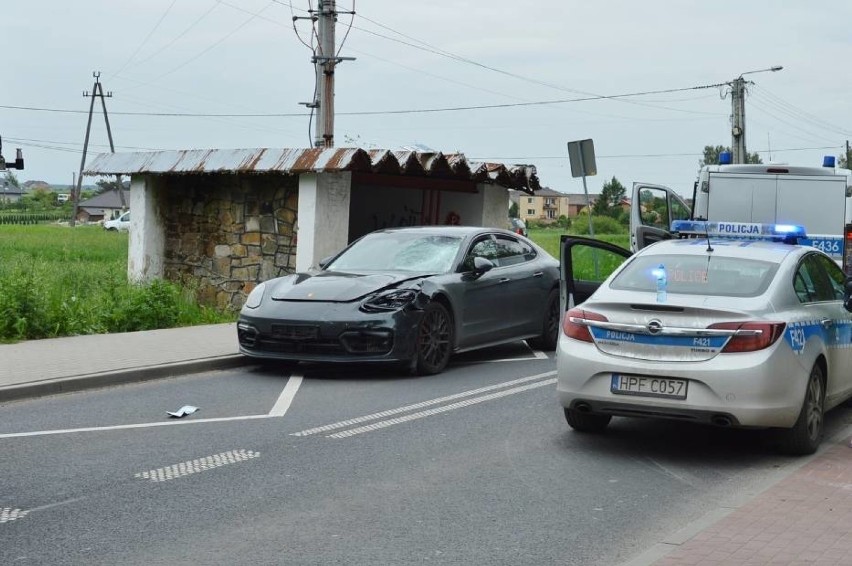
{"x": 351, "y": 342}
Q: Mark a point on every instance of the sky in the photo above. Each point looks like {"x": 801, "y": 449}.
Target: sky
{"x": 218, "y": 57}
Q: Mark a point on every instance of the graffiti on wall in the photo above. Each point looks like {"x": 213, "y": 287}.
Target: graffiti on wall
{"x": 407, "y": 217}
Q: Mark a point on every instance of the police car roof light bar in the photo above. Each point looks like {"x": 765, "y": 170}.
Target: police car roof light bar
{"x": 787, "y": 233}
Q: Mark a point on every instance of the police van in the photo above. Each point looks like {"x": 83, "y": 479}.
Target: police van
{"x": 819, "y": 198}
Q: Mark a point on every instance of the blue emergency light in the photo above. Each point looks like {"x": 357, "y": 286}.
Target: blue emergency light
{"x": 787, "y": 233}
{"x": 828, "y": 161}
{"x": 725, "y": 158}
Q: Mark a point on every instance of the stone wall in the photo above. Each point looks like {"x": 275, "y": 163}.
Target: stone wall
{"x": 226, "y": 233}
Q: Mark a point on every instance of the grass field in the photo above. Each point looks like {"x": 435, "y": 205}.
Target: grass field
{"x": 549, "y": 238}
{"x": 61, "y": 281}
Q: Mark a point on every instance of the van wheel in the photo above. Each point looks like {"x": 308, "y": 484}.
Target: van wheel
{"x": 550, "y": 326}
{"x": 806, "y": 435}
{"x": 586, "y": 422}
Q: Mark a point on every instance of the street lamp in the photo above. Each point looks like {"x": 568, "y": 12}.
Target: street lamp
{"x": 738, "y": 144}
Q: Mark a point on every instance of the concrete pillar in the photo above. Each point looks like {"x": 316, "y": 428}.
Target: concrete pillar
{"x": 147, "y": 231}
{"x": 323, "y": 217}
{"x": 495, "y": 205}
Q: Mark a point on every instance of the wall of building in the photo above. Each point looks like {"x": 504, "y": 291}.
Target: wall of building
{"x": 225, "y": 233}
{"x": 373, "y": 207}
{"x": 323, "y": 228}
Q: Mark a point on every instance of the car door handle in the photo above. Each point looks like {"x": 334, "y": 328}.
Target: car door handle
{"x": 538, "y": 274}
{"x": 826, "y": 323}
{"x": 504, "y": 280}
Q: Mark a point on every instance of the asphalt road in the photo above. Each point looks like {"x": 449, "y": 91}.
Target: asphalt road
{"x": 343, "y": 465}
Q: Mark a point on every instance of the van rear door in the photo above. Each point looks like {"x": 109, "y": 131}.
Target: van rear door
{"x": 652, "y": 210}
{"x": 819, "y": 204}
{"x": 742, "y": 197}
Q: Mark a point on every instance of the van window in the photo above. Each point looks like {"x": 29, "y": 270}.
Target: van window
{"x": 654, "y": 208}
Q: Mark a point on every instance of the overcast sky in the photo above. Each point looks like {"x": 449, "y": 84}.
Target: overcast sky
{"x": 243, "y": 56}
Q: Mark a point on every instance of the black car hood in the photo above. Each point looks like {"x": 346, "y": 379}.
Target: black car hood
{"x": 330, "y": 286}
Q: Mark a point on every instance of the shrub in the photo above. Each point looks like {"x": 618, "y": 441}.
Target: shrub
{"x": 601, "y": 225}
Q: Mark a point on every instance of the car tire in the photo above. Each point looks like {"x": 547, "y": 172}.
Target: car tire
{"x": 550, "y": 331}
{"x": 586, "y": 422}
{"x": 806, "y": 435}
{"x": 434, "y": 340}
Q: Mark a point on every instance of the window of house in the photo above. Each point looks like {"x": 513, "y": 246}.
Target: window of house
{"x": 530, "y": 212}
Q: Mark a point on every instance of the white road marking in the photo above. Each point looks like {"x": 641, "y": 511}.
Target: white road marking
{"x": 540, "y": 355}
{"x": 130, "y": 426}
{"x": 286, "y": 397}
{"x": 441, "y": 409}
{"x": 7, "y": 514}
{"x": 52, "y": 505}
{"x": 420, "y": 405}
{"x": 198, "y": 465}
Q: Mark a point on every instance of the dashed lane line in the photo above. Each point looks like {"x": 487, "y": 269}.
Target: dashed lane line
{"x": 197, "y": 465}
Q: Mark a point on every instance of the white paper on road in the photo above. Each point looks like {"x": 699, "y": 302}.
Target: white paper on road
{"x": 183, "y": 411}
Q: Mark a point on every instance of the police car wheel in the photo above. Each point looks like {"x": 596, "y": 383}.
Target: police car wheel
{"x": 806, "y": 435}
{"x": 586, "y": 422}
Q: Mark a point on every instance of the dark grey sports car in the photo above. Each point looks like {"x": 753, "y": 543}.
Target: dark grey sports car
{"x": 408, "y": 295}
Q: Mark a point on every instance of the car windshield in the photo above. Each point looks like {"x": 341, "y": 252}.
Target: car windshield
{"x": 698, "y": 275}
{"x": 399, "y": 251}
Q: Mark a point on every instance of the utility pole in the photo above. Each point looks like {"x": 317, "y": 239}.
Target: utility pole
{"x": 325, "y": 59}
{"x": 738, "y": 143}
{"x": 848, "y": 161}
{"x": 97, "y": 91}
{"x": 738, "y": 123}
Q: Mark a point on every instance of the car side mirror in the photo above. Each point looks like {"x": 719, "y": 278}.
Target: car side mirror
{"x": 847, "y": 294}
{"x": 482, "y": 265}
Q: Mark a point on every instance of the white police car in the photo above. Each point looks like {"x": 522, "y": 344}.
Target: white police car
{"x": 744, "y": 331}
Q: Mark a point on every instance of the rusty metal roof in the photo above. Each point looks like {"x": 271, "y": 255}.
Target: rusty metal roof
{"x": 316, "y": 160}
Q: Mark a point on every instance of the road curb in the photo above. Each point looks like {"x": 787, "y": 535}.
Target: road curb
{"x": 117, "y": 377}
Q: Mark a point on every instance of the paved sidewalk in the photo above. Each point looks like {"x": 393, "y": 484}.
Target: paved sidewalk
{"x": 42, "y": 367}
{"x": 806, "y": 518}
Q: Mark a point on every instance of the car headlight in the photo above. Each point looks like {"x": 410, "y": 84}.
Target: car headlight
{"x": 255, "y": 297}
{"x": 392, "y": 300}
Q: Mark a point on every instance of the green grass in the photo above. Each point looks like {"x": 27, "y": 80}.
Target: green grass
{"x": 549, "y": 238}
{"x": 61, "y": 281}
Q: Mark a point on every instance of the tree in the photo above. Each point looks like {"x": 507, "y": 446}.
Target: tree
{"x": 608, "y": 202}
{"x": 10, "y": 180}
{"x": 105, "y": 185}
{"x": 513, "y": 210}
{"x": 711, "y": 155}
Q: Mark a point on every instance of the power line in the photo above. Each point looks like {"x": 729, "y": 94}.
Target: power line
{"x": 803, "y": 115}
{"x": 637, "y": 155}
{"x": 147, "y": 37}
{"x": 376, "y": 112}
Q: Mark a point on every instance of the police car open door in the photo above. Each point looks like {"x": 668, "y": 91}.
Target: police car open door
{"x": 584, "y": 263}
{"x": 652, "y": 210}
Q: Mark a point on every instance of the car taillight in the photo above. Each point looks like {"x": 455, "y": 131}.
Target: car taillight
{"x": 755, "y": 335}
{"x": 847, "y": 251}
{"x": 574, "y": 328}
